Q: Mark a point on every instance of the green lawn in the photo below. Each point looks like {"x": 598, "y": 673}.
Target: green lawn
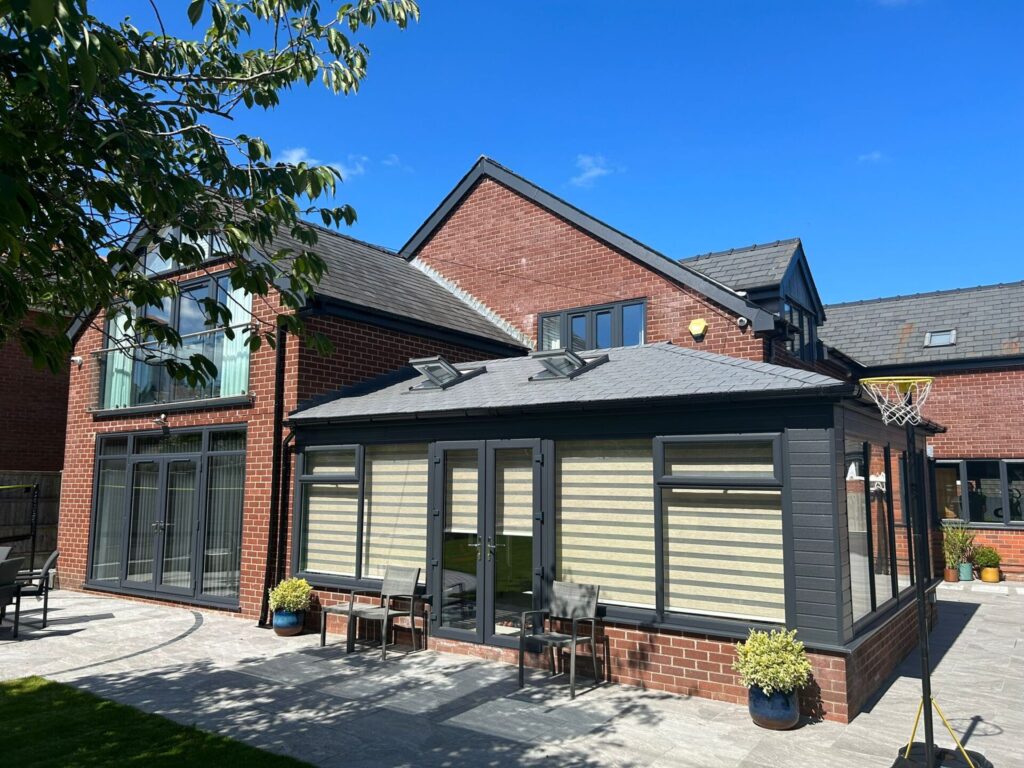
{"x": 43, "y": 723}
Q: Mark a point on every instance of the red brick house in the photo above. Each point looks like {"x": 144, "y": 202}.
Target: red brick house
{"x": 708, "y": 459}
{"x": 31, "y": 448}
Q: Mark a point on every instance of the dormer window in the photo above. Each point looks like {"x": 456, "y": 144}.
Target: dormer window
{"x": 940, "y": 338}
{"x": 802, "y": 331}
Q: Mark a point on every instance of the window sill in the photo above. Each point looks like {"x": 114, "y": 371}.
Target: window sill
{"x": 1012, "y": 525}
{"x": 237, "y": 401}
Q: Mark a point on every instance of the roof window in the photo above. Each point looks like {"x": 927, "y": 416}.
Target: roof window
{"x": 440, "y": 373}
{"x": 940, "y": 338}
{"x": 563, "y": 364}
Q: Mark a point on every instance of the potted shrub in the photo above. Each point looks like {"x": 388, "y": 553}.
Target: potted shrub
{"x": 289, "y": 601}
{"x": 951, "y": 555}
{"x": 987, "y": 560}
{"x": 773, "y": 666}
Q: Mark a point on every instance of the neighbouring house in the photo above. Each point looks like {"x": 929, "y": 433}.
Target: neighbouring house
{"x": 684, "y": 433}
{"x": 972, "y": 341}
{"x": 33, "y": 416}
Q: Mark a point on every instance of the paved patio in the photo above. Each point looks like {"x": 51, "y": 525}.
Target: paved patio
{"x": 288, "y": 695}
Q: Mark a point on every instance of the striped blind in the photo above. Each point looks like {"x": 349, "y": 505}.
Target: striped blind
{"x": 395, "y": 511}
{"x": 331, "y": 515}
{"x": 723, "y": 552}
{"x": 339, "y": 462}
{"x": 513, "y": 492}
{"x": 460, "y": 491}
{"x": 604, "y": 504}
{"x": 719, "y": 458}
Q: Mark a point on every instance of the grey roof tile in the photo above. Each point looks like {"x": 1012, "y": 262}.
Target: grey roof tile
{"x": 370, "y": 276}
{"x": 989, "y": 322}
{"x": 742, "y": 269}
{"x": 648, "y": 372}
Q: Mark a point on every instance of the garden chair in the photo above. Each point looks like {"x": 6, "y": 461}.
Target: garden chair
{"x": 575, "y": 603}
{"x": 37, "y": 583}
{"x": 399, "y": 583}
{"x": 10, "y": 590}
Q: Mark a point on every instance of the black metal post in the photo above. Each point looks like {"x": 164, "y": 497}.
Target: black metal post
{"x": 921, "y": 560}
{"x": 34, "y": 521}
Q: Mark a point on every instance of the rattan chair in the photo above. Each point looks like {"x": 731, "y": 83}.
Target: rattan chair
{"x": 399, "y": 583}
{"x": 568, "y": 602}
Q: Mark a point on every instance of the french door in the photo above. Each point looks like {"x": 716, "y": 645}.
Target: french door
{"x": 163, "y": 518}
{"x": 485, "y": 538}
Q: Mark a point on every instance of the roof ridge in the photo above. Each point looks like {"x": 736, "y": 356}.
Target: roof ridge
{"x": 925, "y": 294}
{"x": 742, "y": 249}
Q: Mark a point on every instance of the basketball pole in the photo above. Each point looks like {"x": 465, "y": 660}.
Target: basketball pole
{"x": 920, "y": 517}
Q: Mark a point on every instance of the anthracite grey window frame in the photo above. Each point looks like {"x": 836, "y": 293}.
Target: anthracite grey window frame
{"x": 590, "y": 314}
{"x": 1004, "y": 484}
{"x": 202, "y": 457}
{"x": 802, "y": 340}
{"x": 723, "y": 480}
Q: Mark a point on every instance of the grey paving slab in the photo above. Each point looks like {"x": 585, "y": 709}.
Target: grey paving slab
{"x": 223, "y": 674}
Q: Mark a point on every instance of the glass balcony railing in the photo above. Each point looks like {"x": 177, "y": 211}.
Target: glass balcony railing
{"x": 133, "y": 375}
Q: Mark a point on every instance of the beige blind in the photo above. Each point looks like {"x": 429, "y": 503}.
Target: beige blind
{"x": 719, "y": 458}
{"x": 395, "y": 508}
{"x": 460, "y": 491}
{"x": 330, "y": 533}
{"x": 342, "y": 462}
{"x": 604, "y": 504}
{"x": 723, "y": 552}
{"x": 513, "y": 484}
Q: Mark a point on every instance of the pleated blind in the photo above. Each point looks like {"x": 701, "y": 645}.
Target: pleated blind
{"x": 719, "y": 458}
{"x": 330, "y": 534}
{"x": 513, "y": 485}
{"x": 461, "y": 488}
{"x": 604, "y": 504}
{"x": 395, "y": 508}
{"x": 723, "y": 552}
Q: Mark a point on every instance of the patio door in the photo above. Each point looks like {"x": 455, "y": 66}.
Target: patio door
{"x": 163, "y": 516}
{"x": 485, "y": 538}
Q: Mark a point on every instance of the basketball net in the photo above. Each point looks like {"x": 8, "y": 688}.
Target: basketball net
{"x": 899, "y": 398}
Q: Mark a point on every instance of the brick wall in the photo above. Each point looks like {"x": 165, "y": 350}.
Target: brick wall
{"x": 981, "y": 410}
{"x": 33, "y": 411}
{"x": 361, "y": 351}
{"x": 521, "y": 260}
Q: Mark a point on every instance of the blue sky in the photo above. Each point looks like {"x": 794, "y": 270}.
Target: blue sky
{"x": 885, "y": 133}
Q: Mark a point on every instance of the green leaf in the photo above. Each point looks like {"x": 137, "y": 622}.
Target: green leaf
{"x": 42, "y": 12}
{"x": 195, "y": 11}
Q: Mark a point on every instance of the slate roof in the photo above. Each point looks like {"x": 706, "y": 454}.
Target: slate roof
{"x": 647, "y": 372}
{"x": 989, "y": 322}
{"x": 374, "y": 277}
{"x": 743, "y": 269}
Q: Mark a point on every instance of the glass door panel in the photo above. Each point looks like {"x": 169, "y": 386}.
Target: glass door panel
{"x": 143, "y": 524}
{"x": 178, "y": 524}
{"x": 222, "y": 556}
{"x": 461, "y": 540}
{"x": 511, "y": 543}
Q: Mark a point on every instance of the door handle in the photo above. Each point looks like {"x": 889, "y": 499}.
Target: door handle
{"x": 477, "y": 547}
{"x": 158, "y": 527}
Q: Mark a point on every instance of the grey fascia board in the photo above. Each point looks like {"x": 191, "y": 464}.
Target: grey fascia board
{"x": 485, "y": 167}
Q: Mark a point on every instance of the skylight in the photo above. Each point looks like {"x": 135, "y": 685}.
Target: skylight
{"x": 440, "y": 373}
{"x": 940, "y": 338}
{"x": 563, "y": 364}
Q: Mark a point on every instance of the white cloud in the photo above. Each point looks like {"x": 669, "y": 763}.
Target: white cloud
{"x": 591, "y": 168}
{"x": 355, "y": 165}
{"x": 297, "y": 155}
{"x": 394, "y": 161}
{"x": 874, "y": 156}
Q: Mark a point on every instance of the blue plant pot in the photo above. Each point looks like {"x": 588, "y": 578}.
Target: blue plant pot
{"x": 287, "y": 623}
{"x": 779, "y": 712}
{"x": 966, "y": 572}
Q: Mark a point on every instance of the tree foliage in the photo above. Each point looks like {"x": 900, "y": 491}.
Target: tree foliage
{"x": 110, "y": 134}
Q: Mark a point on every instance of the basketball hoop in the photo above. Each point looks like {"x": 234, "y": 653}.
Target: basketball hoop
{"x": 899, "y": 398}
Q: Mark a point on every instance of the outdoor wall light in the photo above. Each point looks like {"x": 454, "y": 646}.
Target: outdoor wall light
{"x": 77, "y": 361}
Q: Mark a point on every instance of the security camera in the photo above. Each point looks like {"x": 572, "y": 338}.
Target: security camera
{"x": 742, "y": 322}
{"x": 77, "y": 361}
